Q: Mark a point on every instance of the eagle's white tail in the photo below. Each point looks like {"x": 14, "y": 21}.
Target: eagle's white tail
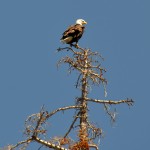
{"x": 67, "y": 39}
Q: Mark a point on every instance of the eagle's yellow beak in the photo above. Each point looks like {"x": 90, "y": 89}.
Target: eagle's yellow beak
{"x": 84, "y": 22}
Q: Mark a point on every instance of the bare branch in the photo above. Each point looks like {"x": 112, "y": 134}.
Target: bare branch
{"x": 127, "y": 101}
{"x": 93, "y": 146}
{"x": 68, "y": 49}
{"x": 71, "y": 126}
{"x": 48, "y": 144}
{"x": 111, "y": 114}
{"x": 71, "y": 62}
{"x": 21, "y": 142}
{"x": 62, "y": 109}
{"x": 35, "y": 133}
{"x": 34, "y": 123}
{"x": 94, "y": 131}
{"x": 77, "y": 83}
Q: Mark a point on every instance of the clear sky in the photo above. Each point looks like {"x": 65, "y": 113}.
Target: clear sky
{"x": 29, "y": 36}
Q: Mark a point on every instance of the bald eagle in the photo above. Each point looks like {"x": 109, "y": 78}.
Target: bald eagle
{"x": 74, "y": 33}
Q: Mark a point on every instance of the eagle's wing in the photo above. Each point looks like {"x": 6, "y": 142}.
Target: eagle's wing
{"x": 72, "y": 31}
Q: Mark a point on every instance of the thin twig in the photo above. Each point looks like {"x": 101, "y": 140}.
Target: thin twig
{"x": 77, "y": 83}
{"x": 35, "y": 133}
{"x": 93, "y": 146}
{"x": 21, "y": 142}
{"x": 71, "y": 126}
{"x": 111, "y": 114}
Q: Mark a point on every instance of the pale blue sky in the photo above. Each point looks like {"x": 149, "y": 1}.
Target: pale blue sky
{"x": 29, "y": 36}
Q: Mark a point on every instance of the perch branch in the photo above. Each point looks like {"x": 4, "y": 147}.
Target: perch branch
{"x": 68, "y": 49}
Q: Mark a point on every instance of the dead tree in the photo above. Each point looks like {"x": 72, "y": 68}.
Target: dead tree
{"x": 91, "y": 73}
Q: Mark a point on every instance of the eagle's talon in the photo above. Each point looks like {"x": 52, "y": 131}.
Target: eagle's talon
{"x": 76, "y": 46}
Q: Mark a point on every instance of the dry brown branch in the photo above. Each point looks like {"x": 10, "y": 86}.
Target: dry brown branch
{"x": 72, "y": 64}
{"x": 48, "y": 115}
{"x": 21, "y": 143}
{"x": 93, "y": 146}
{"x": 68, "y": 49}
{"x": 43, "y": 142}
{"x": 94, "y": 132}
{"x": 78, "y": 81}
{"x": 71, "y": 126}
{"x": 34, "y": 123}
{"x": 62, "y": 109}
{"x": 39, "y": 122}
{"x": 110, "y": 113}
{"x": 48, "y": 144}
{"x": 58, "y": 140}
{"x": 129, "y": 102}
{"x": 84, "y": 61}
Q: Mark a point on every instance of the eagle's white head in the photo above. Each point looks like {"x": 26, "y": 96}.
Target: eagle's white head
{"x": 81, "y": 21}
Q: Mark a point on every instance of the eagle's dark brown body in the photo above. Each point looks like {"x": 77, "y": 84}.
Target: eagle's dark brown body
{"x": 73, "y": 34}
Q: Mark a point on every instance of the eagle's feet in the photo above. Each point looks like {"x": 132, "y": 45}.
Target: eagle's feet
{"x": 75, "y": 45}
